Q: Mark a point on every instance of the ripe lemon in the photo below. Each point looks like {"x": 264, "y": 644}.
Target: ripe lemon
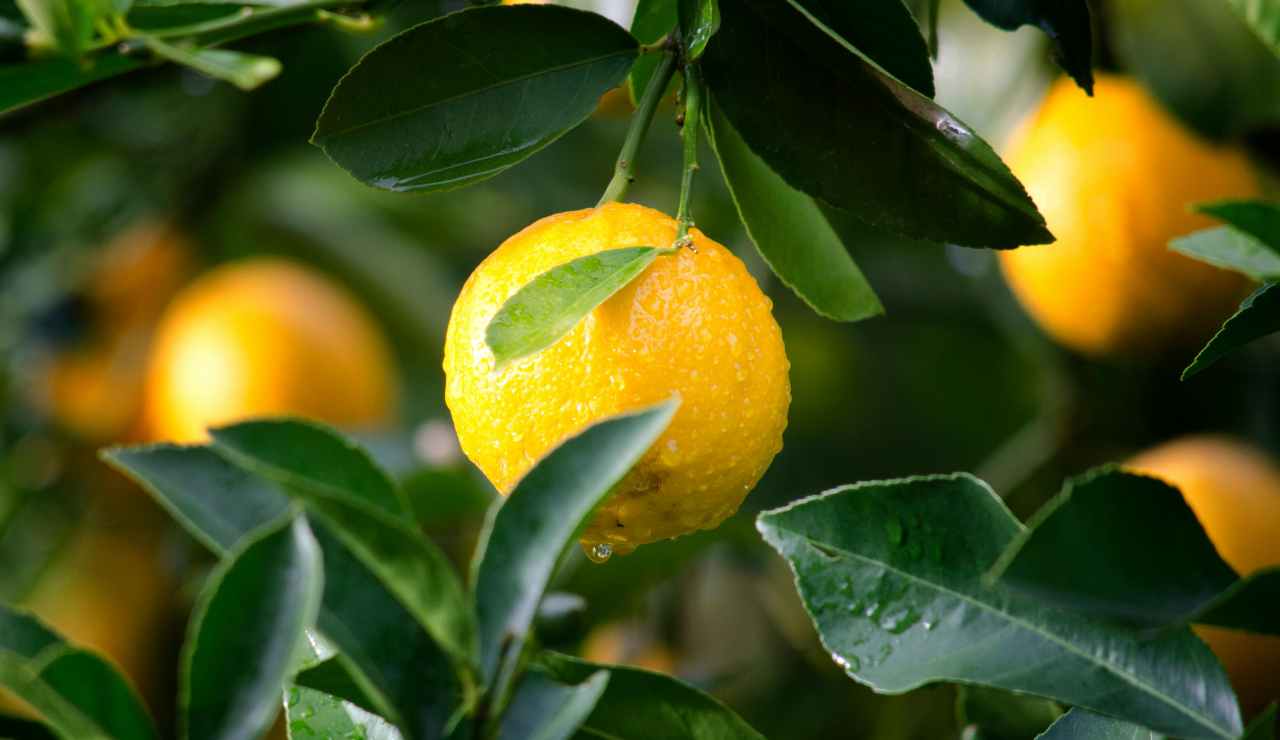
{"x": 1115, "y": 177}
{"x": 265, "y": 336}
{"x": 694, "y": 323}
{"x": 1235, "y": 492}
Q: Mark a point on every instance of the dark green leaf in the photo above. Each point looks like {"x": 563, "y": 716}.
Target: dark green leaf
{"x": 1079, "y": 724}
{"x": 1230, "y": 249}
{"x": 546, "y": 709}
{"x": 699, "y": 21}
{"x": 1092, "y": 548}
{"x": 496, "y": 85}
{"x": 216, "y": 502}
{"x": 640, "y": 705}
{"x": 653, "y": 19}
{"x": 1002, "y": 715}
{"x": 892, "y": 573}
{"x": 790, "y": 232}
{"x": 1263, "y": 726}
{"x": 24, "y": 84}
{"x": 1252, "y": 603}
{"x": 533, "y": 528}
{"x": 314, "y": 715}
{"x": 79, "y": 694}
{"x": 1257, "y": 218}
{"x": 334, "y": 677}
{"x": 246, "y": 632}
{"x": 17, "y": 728}
{"x": 850, "y": 136}
{"x": 1263, "y": 16}
{"x": 245, "y": 71}
{"x": 882, "y": 32}
{"x": 550, "y": 305}
{"x": 1258, "y": 316}
{"x": 1065, "y": 21}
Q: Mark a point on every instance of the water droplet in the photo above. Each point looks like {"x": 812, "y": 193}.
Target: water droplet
{"x": 927, "y": 624}
{"x": 848, "y": 663}
{"x": 894, "y": 529}
{"x": 900, "y": 620}
{"x": 599, "y": 552}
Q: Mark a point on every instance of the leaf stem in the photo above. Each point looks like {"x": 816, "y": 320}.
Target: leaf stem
{"x": 689, "y": 134}
{"x": 625, "y": 169}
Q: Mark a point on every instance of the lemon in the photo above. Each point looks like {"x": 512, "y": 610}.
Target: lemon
{"x": 1115, "y": 177}
{"x": 693, "y": 324}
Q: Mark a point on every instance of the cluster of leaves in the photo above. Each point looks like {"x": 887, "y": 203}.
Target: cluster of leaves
{"x": 1088, "y": 605}
{"x": 1249, "y": 243}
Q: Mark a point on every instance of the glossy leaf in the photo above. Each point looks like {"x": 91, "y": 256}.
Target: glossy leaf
{"x": 790, "y": 232}
{"x": 1116, "y": 564}
{"x": 652, "y": 20}
{"x": 497, "y": 85}
{"x": 246, "y": 633}
{"x": 78, "y": 693}
{"x": 1258, "y": 218}
{"x": 1263, "y": 16}
{"x": 699, "y": 21}
{"x": 892, "y": 573}
{"x": 550, "y": 305}
{"x": 546, "y": 709}
{"x": 1258, "y": 316}
{"x": 334, "y": 677}
{"x": 314, "y": 715}
{"x": 216, "y": 502}
{"x": 1079, "y": 724}
{"x": 852, "y": 137}
{"x": 1230, "y": 249}
{"x": 245, "y": 71}
{"x": 640, "y": 705}
{"x": 533, "y": 528}
{"x": 882, "y": 32}
{"x": 1066, "y": 22}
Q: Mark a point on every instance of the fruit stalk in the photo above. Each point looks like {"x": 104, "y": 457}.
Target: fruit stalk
{"x": 689, "y": 134}
{"x": 624, "y": 172}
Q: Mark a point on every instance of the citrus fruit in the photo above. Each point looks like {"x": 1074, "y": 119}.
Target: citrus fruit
{"x": 693, "y": 324}
{"x": 262, "y": 337}
{"x": 1235, "y": 492}
{"x": 1115, "y": 177}
{"x": 618, "y": 644}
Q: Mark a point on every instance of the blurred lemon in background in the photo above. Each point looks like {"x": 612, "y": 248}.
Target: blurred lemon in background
{"x": 1234, "y": 490}
{"x": 1115, "y": 177}
{"x": 693, "y": 323}
{"x": 266, "y": 336}
{"x": 618, "y": 644}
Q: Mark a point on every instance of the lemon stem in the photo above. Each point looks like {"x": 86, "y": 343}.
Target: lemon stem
{"x": 624, "y": 172}
{"x": 689, "y": 134}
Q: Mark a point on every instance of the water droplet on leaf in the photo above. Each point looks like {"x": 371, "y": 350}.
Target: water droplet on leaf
{"x": 599, "y": 552}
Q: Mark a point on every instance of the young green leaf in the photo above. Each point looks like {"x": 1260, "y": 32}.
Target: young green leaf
{"x": 852, "y": 137}
{"x": 883, "y": 33}
{"x": 790, "y": 232}
{"x": 78, "y": 694}
{"x": 699, "y": 21}
{"x": 892, "y": 573}
{"x": 1257, "y": 218}
{"x": 1263, "y": 16}
{"x": 1258, "y": 316}
{"x": 1079, "y": 724}
{"x": 497, "y": 85}
{"x": 551, "y": 304}
{"x": 530, "y": 532}
{"x": 546, "y": 709}
{"x": 245, "y": 71}
{"x": 639, "y": 705}
{"x": 1231, "y": 249}
{"x": 1065, "y": 21}
{"x": 313, "y": 715}
{"x": 67, "y": 24}
{"x": 245, "y": 634}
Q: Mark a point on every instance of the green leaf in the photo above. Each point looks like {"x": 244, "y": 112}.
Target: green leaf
{"x": 1263, "y": 16}
{"x": 314, "y": 715}
{"x": 216, "y": 502}
{"x": 1263, "y": 726}
{"x": 245, "y": 71}
{"x": 496, "y": 85}
{"x": 546, "y": 709}
{"x": 892, "y": 573}
{"x": 790, "y": 232}
{"x": 1092, "y": 548}
{"x": 17, "y": 728}
{"x": 1002, "y": 715}
{"x": 882, "y": 32}
{"x": 334, "y": 677}
{"x": 23, "y": 84}
{"x": 549, "y": 306}
{"x": 1065, "y": 21}
{"x": 1252, "y": 604}
{"x": 246, "y": 632}
{"x": 1257, "y": 218}
{"x": 850, "y": 136}
{"x": 699, "y": 21}
{"x": 639, "y": 705}
{"x": 531, "y": 530}
{"x": 1079, "y": 724}
{"x": 652, "y": 20}
{"x": 1230, "y": 249}
{"x": 1258, "y": 316}
{"x": 78, "y": 694}
{"x": 68, "y": 24}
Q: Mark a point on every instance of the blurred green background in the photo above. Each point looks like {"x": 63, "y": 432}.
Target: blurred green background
{"x": 953, "y": 377}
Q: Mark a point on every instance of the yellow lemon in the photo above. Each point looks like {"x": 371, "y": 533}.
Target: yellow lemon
{"x": 694, "y": 324}
{"x": 262, "y": 337}
{"x": 1115, "y": 177}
